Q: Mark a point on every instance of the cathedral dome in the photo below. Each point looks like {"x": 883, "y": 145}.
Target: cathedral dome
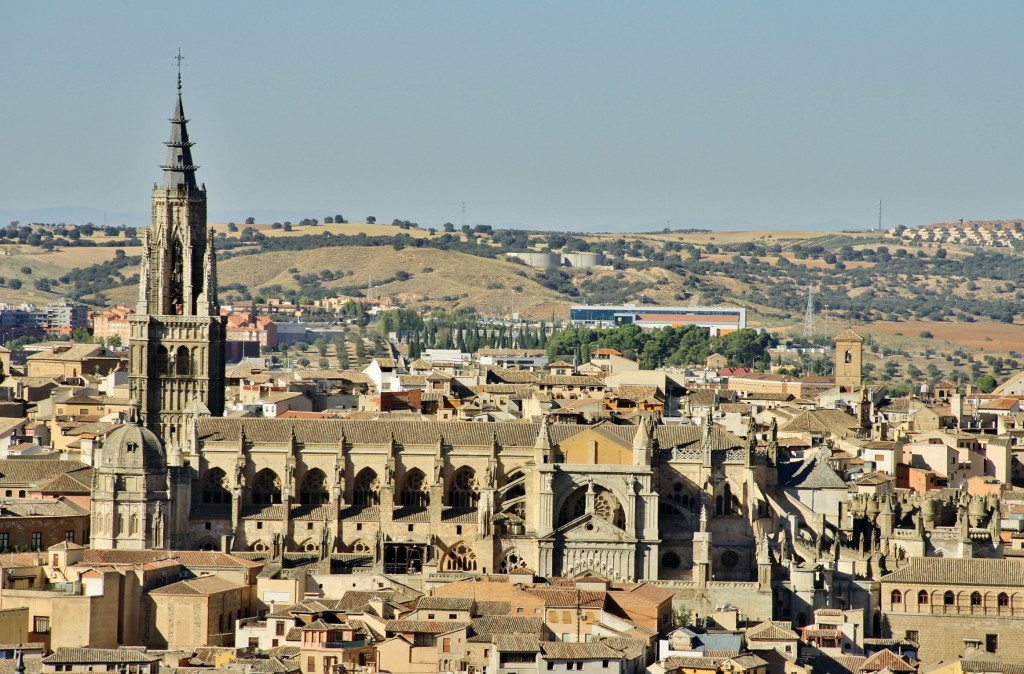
{"x": 132, "y": 446}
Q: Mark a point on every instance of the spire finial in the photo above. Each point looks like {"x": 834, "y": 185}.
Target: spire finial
{"x": 179, "y": 58}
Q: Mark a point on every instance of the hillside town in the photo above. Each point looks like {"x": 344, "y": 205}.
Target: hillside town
{"x": 174, "y": 500}
{"x": 997, "y": 233}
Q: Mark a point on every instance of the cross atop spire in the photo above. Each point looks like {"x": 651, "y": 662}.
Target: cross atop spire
{"x": 179, "y": 58}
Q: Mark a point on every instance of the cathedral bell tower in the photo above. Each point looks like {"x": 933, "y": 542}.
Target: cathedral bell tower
{"x": 849, "y": 360}
{"x": 177, "y": 332}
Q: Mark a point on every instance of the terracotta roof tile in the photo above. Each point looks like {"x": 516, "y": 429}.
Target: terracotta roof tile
{"x": 516, "y": 643}
{"x": 85, "y": 656}
{"x": 206, "y": 585}
{"x": 771, "y": 630}
{"x": 595, "y": 650}
{"x": 431, "y": 603}
{"x": 423, "y": 626}
{"x": 886, "y": 659}
{"x": 948, "y": 571}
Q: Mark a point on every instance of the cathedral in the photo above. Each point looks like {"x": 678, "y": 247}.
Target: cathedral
{"x": 624, "y": 501}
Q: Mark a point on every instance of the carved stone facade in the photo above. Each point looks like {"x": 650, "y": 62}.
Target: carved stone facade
{"x": 177, "y": 333}
{"x": 411, "y": 497}
{"x": 130, "y": 492}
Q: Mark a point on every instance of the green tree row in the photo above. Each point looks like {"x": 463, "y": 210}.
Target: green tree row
{"x": 685, "y": 345}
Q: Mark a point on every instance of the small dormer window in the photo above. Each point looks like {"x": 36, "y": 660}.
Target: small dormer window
{"x": 132, "y": 447}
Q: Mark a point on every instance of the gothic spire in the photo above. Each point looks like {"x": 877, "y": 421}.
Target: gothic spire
{"x": 179, "y": 171}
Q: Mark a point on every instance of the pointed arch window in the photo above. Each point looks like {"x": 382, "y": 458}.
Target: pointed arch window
{"x": 922, "y": 597}
{"x": 465, "y": 490}
{"x": 314, "y": 488}
{"x": 216, "y": 488}
{"x": 606, "y": 507}
{"x": 726, "y": 503}
{"x": 460, "y": 557}
{"x": 415, "y": 491}
{"x": 266, "y": 488}
{"x": 511, "y": 560}
{"x": 366, "y": 490}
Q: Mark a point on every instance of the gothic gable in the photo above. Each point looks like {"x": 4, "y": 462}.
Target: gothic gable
{"x": 589, "y": 528}
{"x": 597, "y": 446}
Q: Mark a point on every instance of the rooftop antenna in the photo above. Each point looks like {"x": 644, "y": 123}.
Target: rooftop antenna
{"x": 463, "y": 213}
{"x": 879, "y": 215}
{"x": 809, "y": 315}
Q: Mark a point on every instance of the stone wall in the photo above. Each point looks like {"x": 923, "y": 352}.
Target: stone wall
{"x": 753, "y": 604}
{"x": 942, "y": 636}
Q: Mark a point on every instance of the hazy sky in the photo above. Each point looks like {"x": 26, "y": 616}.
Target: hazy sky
{"x": 572, "y": 115}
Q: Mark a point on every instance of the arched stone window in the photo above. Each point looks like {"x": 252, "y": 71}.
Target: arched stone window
{"x": 976, "y": 599}
{"x": 922, "y": 597}
{"x": 134, "y": 523}
{"x": 266, "y": 488}
{"x": 680, "y": 495}
{"x": 461, "y": 557}
{"x": 726, "y": 504}
{"x": 260, "y": 546}
{"x": 162, "y": 361}
{"x": 362, "y": 547}
{"x": 310, "y": 545}
{"x": 465, "y": 490}
{"x": 511, "y": 560}
{"x": 216, "y": 488}
{"x": 949, "y": 599}
{"x": 1003, "y": 600}
{"x": 897, "y": 597}
{"x": 206, "y": 545}
{"x": 120, "y": 524}
{"x": 366, "y": 490}
{"x": 314, "y": 488}
{"x": 182, "y": 361}
{"x": 671, "y": 560}
{"x": 606, "y": 507}
{"x": 415, "y": 491}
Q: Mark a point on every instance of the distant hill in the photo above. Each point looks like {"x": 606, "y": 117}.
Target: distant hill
{"x": 861, "y": 276}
